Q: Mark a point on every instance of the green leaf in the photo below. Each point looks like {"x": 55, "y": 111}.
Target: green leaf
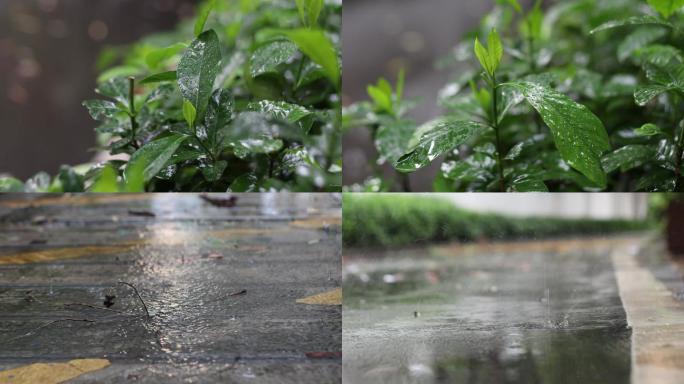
{"x": 579, "y": 135}
{"x": 666, "y": 7}
{"x": 292, "y": 113}
{"x": 134, "y": 178}
{"x": 434, "y": 139}
{"x": 246, "y": 183}
{"x": 261, "y": 146}
{"x": 318, "y": 47}
{"x": 639, "y": 39}
{"x": 116, "y": 89}
{"x": 659, "y": 54}
{"x": 214, "y": 172}
{"x": 70, "y": 181}
{"x": 528, "y": 183}
{"x": 495, "y": 49}
{"x": 197, "y": 70}
{"x": 309, "y": 11}
{"x": 154, "y": 156}
{"x": 648, "y": 130}
{"x": 634, "y": 20}
{"x": 189, "y": 113}
{"x": 381, "y": 99}
{"x": 11, "y": 185}
{"x": 106, "y": 182}
{"x": 514, "y": 3}
{"x": 268, "y": 57}
{"x": 644, "y": 94}
{"x": 203, "y": 16}
{"x": 483, "y": 56}
{"x": 219, "y": 114}
{"x": 101, "y": 110}
{"x": 392, "y": 139}
{"x": 160, "y": 78}
{"x": 157, "y": 57}
{"x": 628, "y": 157}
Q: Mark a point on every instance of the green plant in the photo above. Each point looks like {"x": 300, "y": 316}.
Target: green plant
{"x": 395, "y": 220}
{"x": 251, "y": 103}
{"x": 564, "y": 100}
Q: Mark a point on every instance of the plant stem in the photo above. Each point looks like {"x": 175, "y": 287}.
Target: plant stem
{"x": 132, "y": 114}
{"x": 495, "y": 125}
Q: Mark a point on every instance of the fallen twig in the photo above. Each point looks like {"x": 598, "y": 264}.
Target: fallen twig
{"x": 141, "y": 213}
{"x": 139, "y": 297}
{"x": 227, "y": 202}
{"x": 47, "y": 325}
{"x": 243, "y": 292}
{"x": 94, "y": 307}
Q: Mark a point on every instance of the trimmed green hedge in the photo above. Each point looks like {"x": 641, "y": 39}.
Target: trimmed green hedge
{"x": 372, "y": 220}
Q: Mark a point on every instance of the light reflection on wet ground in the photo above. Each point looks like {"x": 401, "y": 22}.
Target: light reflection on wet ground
{"x": 505, "y": 314}
{"x": 191, "y": 261}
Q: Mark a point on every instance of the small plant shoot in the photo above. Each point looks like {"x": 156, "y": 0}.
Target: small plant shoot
{"x": 556, "y": 96}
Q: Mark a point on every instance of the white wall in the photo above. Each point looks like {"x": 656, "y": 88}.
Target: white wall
{"x": 594, "y": 205}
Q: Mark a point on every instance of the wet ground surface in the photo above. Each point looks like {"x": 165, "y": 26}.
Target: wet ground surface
{"x": 220, "y": 285}
{"x": 546, "y": 312}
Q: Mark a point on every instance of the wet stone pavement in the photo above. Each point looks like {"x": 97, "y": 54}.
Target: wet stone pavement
{"x": 539, "y": 312}
{"x": 219, "y": 283}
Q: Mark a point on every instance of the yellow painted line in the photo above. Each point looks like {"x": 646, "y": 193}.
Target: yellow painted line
{"x": 86, "y": 199}
{"x": 166, "y": 238}
{"x": 333, "y": 297}
{"x": 58, "y": 254}
{"x": 51, "y": 373}
{"x": 317, "y": 222}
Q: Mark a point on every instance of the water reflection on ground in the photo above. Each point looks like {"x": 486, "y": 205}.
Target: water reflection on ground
{"x": 507, "y": 314}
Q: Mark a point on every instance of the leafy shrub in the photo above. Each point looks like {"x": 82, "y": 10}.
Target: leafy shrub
{"x": 250, "y": 103}
{"x": 578, "y": 95}
{"x": 395, "y": 220}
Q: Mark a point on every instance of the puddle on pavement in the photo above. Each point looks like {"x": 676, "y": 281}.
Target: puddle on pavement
{"x": 493, "y": 317}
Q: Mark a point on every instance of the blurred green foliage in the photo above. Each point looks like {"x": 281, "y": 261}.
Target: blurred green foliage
{"x": 400, "y": 219}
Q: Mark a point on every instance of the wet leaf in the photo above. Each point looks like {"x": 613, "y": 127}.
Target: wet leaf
{"x": 318, "y": 47}
{"x": 292, "y": 113}
{"x": 579, "y": 135}
{"x": 197, "y": 70}
{"x": 434, "y": 139}
{"x": 101, "y": 110}
{"x": 214, "y": 172}
{"x": 634, "y": 20}
{"x": 264, "y": 145}
{"x": 160, "y": 78}
{"x": 628, "y": 157}
{"x": 70, "y": 181}
{"x": 645, "y": 93}
{"x": 528, "y": 183}
{"x": 639, "y": 39}
{"x": 157, "y": 57}
{"x": 648, "y": 130}
{"x": 246, "y": 183}
{"x": 154, "y": 156}
{"x": 268, "y": 57}
{"x": 392, "y": 139}
{"x": 219, "y": 114}
{"x": 116, "y": 89}
{"x": 106, "y": 181}
{"x": 11, "y": 185}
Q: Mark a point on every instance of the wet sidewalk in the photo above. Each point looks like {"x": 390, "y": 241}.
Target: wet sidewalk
{"x": 528, "y": 312}
{"x": 228, "y": 290}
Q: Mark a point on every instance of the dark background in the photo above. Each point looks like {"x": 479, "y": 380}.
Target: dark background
{"x": 48, "y": 51}
{"x": 381, "y": 36}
